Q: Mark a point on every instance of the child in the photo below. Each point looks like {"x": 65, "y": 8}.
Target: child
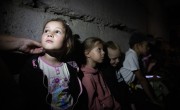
{"x": 49, "y": 83}
{"x": 99, "y": 96}
{"x": 131, "y": 71}
{"x": 112, "y": 63}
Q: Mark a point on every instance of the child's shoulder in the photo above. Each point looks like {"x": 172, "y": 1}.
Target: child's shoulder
{"x": 73, "y": 65}
{"x": 131, "y": 52}
{"x": 32, "y": 61}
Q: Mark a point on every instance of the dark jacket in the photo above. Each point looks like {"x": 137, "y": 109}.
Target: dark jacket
{"x": 34, "y": 85}
{"x": 119, "y": 90}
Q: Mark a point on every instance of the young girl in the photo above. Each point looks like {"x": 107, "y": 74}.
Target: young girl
{"x": 47, "y": 82}
{"x": 99, "y": 96}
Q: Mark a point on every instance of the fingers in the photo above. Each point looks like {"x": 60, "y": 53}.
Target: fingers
{"x": 37, "y": 44}
{"x": 36, "y": 51}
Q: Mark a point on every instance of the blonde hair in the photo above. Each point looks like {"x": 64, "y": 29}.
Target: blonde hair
{"x": 112, "y": 45}
{"x": 88, "y": 44}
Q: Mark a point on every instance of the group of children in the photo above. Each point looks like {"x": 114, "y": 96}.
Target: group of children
{"x": 50, "y": 81}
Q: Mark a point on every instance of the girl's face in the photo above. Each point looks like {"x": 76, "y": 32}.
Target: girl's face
{"x": 96, "y": 55}
{"x": 53, "y": 36}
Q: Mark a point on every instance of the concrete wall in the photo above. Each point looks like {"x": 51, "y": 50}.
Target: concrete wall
{"x": 107, "y": 19}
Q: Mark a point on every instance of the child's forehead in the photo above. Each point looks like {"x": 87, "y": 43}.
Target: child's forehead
{"x": 145, "y": 42}
{"x": 98, "y": 43}
{"x": 54, "y": 23}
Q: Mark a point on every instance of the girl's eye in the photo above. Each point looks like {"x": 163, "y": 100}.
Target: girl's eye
{"x": 45, "y": 31}
{"x": 99, "y": 49}
{"x": 58, "y": 32}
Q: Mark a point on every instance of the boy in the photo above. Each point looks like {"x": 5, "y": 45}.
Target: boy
{"x": 131, "y": 71}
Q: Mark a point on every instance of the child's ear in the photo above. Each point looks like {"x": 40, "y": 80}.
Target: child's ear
{"x": 136, "y": 46}
{"x": 86, "y": 53}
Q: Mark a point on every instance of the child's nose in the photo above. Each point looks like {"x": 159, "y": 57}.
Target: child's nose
{"x": 50, "y": 35}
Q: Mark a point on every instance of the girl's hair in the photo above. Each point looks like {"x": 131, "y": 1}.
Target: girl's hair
{"x": 88, "y": 44}
{"x": 69, "y": 41}
{"x": 112, "y": 45}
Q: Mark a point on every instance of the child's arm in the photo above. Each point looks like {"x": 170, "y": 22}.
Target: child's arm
{"x": 88, "y": 84}
{"x": 33, "y": 85}
{"x": 145, "y": 85}
{"x": 151, "y": 65}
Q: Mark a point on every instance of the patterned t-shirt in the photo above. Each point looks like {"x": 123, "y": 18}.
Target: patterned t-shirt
{"x": 58, "y": 79}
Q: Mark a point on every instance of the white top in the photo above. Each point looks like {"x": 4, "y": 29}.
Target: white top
{"x": 58, "y": 79}
{"x": 130, "y": 64}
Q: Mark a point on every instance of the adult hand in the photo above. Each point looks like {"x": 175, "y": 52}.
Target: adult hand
{"x": 30, "y": 46}
{"x": 20, "y": 44}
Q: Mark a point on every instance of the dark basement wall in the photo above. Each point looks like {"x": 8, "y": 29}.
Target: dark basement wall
{"x": 107, "y": 19}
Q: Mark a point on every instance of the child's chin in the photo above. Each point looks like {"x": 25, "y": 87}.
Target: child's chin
{"x": 100, "y": 61}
